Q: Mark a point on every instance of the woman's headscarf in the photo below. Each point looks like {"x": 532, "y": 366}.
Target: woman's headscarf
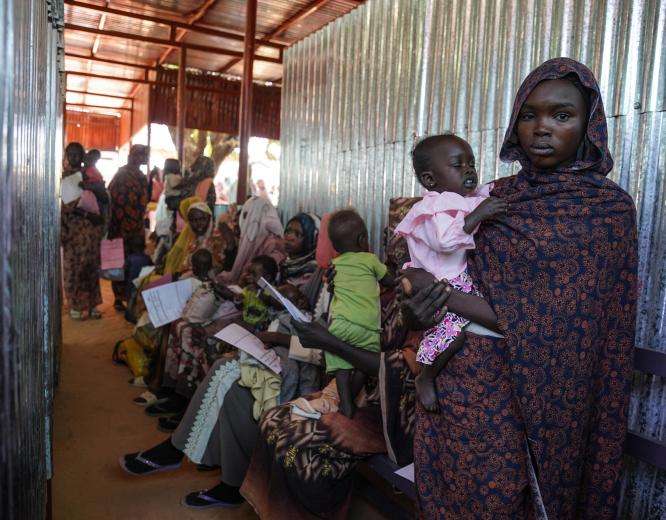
{"x": 304, "y": 263}
{"x": 258, "y": 220}
{"x": 179, "y": 252}
{"x": 560, "y": 272}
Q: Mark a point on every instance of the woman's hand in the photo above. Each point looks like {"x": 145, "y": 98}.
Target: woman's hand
{"x": 426, "y": 307}
{"x": 312, "y": 335}
{"x": 418, "y": 280}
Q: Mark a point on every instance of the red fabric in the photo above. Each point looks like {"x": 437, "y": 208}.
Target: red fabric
{"x": 325, "y": 250}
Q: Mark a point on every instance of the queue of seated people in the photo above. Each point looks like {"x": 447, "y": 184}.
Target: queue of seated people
{"x": 323, "y": 266}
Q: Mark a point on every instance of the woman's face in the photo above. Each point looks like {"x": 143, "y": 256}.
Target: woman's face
{"x": 198, "y": 221}
{"x": 294, "y": 238}
{"x": 551, "y": 124}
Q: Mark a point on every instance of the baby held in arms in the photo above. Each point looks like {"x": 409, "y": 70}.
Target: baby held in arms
{"x": 355, "y": 307}
{"x": 439, "y": 230}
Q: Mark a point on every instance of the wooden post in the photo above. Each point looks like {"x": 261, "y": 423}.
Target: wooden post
{"x": 245, "y": 123}
{"x": 150, "y": 119}
{"x": 181, "y": 106}
{"x": 131, "y": 121}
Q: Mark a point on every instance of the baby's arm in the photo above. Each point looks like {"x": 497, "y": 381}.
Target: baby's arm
{"x": 489, "y": 208}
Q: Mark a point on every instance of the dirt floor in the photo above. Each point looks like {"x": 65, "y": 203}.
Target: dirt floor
{"x": 95, "y": 423}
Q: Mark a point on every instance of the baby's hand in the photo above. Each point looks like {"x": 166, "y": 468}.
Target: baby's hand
{"x": 489, "y": 208}
{"x": 413, "y": 280}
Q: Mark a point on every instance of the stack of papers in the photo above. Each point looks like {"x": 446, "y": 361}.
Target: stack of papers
{"x": 247, "y": 342}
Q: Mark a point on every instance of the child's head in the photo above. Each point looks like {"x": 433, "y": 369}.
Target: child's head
{"x": 347, "y": 232}
{"x": 74, "y": 154}
{"x": 202, "y": 263}
{"x": 92, "y": 157}
{"x": 136, "y": 244}
{"x": 260, "y": 267}
{"x": 292, "y": 293}
{"x": 445, "y": 163}
{"x": 552, "y": 122}
{"x": 171, "y": 166}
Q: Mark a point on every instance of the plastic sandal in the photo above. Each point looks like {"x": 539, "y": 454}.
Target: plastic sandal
{"x": 147, "y": 398}
{"x": 156, "y": 468}
{"x": 76, "y": 315}
{"x": 94, "y": 314}
{"x": 200, "y": 500}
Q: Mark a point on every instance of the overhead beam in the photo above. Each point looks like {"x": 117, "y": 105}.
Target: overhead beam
{"x": 110, "y": 61}
{"x": 106, "y": 76}
{"x": 181, "y": 105}
{"x": 86, "y": 105}
{"x": 165, "y": 21}
{"x": 194, "y": 17}
{"x": 166, "y": 43}
{"x": 306, "y": 11}
{"x": 85, "y": 92}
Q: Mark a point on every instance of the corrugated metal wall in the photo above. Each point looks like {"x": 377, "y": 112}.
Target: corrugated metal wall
{"x": 356, "y": 93}
{"x": 30, "y": 151}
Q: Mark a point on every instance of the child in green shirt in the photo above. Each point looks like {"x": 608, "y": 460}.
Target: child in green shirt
{"x": 355, "y": 308}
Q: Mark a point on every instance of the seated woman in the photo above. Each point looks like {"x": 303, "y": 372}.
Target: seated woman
{"x": 224, "y": 436}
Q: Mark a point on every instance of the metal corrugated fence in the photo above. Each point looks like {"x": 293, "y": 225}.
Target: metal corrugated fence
{"x": 356, "y": 93}
{"x": 30, "y": 122}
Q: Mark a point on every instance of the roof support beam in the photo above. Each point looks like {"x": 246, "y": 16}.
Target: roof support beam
{"x": 86, "y": 105}
{"x": 106, "y": 76}
{"x": 165, "y": 21}
{"x": 166, "y": 43}
{"x": 194, "y": 17}
{"x": 110, "y": 61}
{"x": 309, "y": 9}
{"x": 99, "y": 94}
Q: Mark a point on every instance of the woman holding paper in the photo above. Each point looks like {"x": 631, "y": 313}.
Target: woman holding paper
{"x": 81, "y": 234}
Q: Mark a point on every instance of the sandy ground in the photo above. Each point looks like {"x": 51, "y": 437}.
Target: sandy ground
{"x": 95, "y": 423}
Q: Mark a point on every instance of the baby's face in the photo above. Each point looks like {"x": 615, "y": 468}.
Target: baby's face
{"x": 452, "y": 168}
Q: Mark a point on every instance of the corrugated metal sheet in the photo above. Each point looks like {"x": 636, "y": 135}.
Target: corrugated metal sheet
{"x": 358, "y": 92}
{"x": 30, "y": 151}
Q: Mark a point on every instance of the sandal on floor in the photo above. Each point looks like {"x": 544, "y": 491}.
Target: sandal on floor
{"x": 77, "y": 315}
{"x": 150, "y": 466}
{"x": 94, "y": 314}
{"x": 200, "y": 500}
{"x": 148, "y": 398}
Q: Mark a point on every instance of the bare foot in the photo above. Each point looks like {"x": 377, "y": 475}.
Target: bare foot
{"x": 426, "y": 392}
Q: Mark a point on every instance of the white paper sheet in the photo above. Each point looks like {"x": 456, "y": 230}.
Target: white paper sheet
{"x": 247, "y": 342}
{"x": 69, "y": 187}
{"x": 406, "y": 472}
{"x": 291, "y": 308}
{"x": 145, "y": 271}
{"x": 166, "y": 302}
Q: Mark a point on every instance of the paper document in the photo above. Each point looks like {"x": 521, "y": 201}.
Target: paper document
{"x": 247, "y": 342}
{"x": 406, "y": 472}
{"x": 166, "y": 302}
{"x": 290, "y": 307}
{"x": 69, "y": 187}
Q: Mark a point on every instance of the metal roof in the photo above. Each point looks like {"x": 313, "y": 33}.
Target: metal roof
{"x": 118, "y": 32}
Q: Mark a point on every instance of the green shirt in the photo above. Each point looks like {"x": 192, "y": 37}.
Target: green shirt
{"x": 356, "y": 291}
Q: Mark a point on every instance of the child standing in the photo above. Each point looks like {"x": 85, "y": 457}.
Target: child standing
{"x": 439, "y": 231}
{"x": 355, "y": 308}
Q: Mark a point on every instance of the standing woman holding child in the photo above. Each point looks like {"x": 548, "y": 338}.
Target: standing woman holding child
{"x": 533, "y": 424}
{"x": 81, "y": 234}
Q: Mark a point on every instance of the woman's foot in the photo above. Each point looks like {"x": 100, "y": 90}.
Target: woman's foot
{"x": 175, "y": 405}
{"x": 76, "y": 315}
{"x": 169, "y": 424}
{"x": 426, "y": 392}
{"x": 163, "y": 457}
{"x": 119, "y": 305}
{"x": 94, "y": 314}
{"x": 221, "y": 495}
